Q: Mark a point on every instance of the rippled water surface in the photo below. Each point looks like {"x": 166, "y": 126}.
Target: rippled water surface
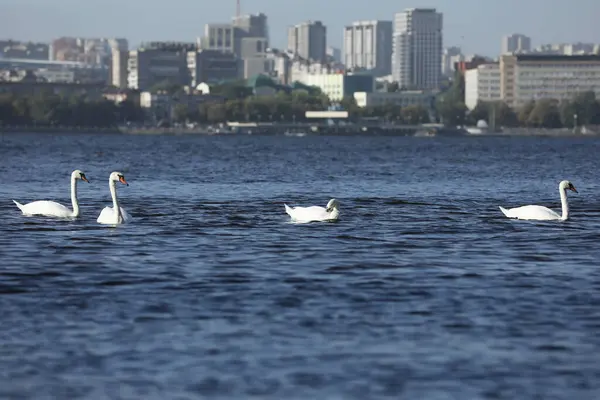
{"x": 422, "y": 289}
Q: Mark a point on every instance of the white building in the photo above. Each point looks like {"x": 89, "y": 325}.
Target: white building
{"x": 56, "y": 76}
{"x": 569, "y": 49}
{"x": 482, "y": 84}
{"x": 516, "y": 43}
{"x": 118, "y": 70}
{"x": 417, "y": 49}
{"x": 368, "y": 45}
{"x": 308, "y": 40}
{"x": 339, "y": 85}
{"x": 401, "y": 99}
{"x": 526, "y": 77}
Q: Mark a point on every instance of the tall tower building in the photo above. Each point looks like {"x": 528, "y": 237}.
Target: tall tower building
{"x": 308, "y": 40}
{"x": 516, "y": 43}
{"x": 368, "y": 45}
{"x": 417, "y": 48}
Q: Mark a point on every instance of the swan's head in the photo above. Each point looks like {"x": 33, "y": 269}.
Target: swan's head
{"x": 118, "y": 177}
{"x": 77, "y": 174}
{"x": 566, "y": 185}
{"x": 332, "y": 205}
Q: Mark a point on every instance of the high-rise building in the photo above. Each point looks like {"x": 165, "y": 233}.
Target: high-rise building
{"x": 450, "y": 57}
{"x": 308, "y": 40}
{"x": 118, "y": 70}
{"x": 516, "y": 43}
{"x": 252, "y": 25}
{"x": 159, "y": 62}
{"x": 218, "y": 37}
{"x": 417, "y": 48}
{"x": 368, "y": 45}
{"x": 334, "y": 54}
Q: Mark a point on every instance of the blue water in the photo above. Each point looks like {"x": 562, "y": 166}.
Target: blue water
{"x": 422, "y": 289}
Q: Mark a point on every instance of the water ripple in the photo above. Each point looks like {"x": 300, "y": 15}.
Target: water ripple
{"x": 421, "y": 290}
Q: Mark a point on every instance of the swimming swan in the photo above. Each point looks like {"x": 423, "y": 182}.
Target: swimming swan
{"x": 52, "y": 208}
{"x": 314, "y": 213}
{"x": 543, "y": 213}
{"x": 114, "y": 215}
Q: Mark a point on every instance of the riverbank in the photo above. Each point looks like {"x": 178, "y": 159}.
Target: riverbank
{"x": 303, "y": 129}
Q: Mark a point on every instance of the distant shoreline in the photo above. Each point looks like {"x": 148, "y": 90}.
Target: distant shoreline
{"x": 302, "y": 130}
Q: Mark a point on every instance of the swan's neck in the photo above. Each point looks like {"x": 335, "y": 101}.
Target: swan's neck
{"x": 113, "y": 193}
{"x": 74, "y": 201}
{"x": 334, "y": 214}
{"x": 565, "y": 204}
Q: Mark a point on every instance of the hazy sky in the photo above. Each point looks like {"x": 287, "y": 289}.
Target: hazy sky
{"x": 476, "y": 25}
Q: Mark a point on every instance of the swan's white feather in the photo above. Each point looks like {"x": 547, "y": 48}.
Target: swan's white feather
{"x": 46, "y": 208}
{"x": 107, "y": 216}
{"x": 531, "y": 213}
{"x": 309, "y": 214}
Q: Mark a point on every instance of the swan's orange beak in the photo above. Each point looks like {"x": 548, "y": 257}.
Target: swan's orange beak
{"x": 83, "y": 178}
{"x": 123, "y": 181}
{"x": 573, "y": 189}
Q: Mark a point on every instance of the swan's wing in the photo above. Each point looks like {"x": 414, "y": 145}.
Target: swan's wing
{"x": 531, "y": 213}
{"x": 106, "y": 216}
{"x": 289, "y": 210}
{"x": 307, "y": 214}
{"x": 45, "y": 208}
{"x": 125, "y": 215}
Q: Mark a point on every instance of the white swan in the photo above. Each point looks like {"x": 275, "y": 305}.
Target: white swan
{"x": 114, "y": 215}
{"x": 543, "y": 213}
{"x": 52, "y": 208}
{"x": 314, "y": 213}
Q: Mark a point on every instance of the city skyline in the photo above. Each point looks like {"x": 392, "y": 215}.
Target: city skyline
{"x": 477, "y": 27}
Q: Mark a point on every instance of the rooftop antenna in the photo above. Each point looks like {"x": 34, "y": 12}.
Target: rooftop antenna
{"x": 238, "y": 11}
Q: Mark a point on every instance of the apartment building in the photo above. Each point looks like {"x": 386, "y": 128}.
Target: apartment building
{"x": 158, "y": 62}
{"x": 417, "y": 49}
{"x": 368, "y": 45}
{"x": 526, "y": 77}
{"x": 308, "y": 40}
{"x": 482, "y": 83}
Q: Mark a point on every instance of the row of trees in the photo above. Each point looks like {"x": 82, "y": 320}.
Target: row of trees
{"x": 583, "y": 109}
{"x": 239, "y": 104}
{"x": 49, "y": 109}
{"x": 289, "y": 107}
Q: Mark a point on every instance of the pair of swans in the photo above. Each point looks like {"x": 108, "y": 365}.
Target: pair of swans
{"x": 530, "y": 212}
{"x": 109, "y": 215}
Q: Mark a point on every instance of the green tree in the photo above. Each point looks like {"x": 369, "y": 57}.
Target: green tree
{"x": 168, "y": 86}
{"x": 525, "y": 112}
{"x": 587, "y": 108}
{"x": 452, "y": 113}
{"x": 393, "y": 87}
{"x": 545, "y": 114}
{"x": 128, "y": 111}
{"x": 480, "y": 112}
{"x": 415, "y": 115}
{"x": 181, "y": 112}
{"x": 450, "y": 105}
